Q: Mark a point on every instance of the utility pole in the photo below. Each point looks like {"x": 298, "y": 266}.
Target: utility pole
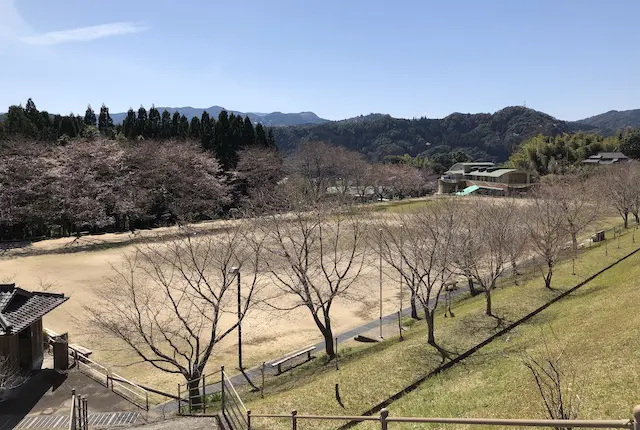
{"x": 236, "y": 271}
{"x": 380, "y": 264}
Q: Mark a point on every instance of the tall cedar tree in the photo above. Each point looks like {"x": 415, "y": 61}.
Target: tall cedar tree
{"x": 194, "y": 128}
{"x": 166, "y": 124}
{"x": 90, "y": 117}
{"x": 261, "y": 137}
{"x": 248, "y": 133}
{"x": 105, "y": 122}
{"x": 143, "y": 122}
{"x": 175, "y": 123}
{"x": 154, "y": 123}
{"x": 129, "y": 124}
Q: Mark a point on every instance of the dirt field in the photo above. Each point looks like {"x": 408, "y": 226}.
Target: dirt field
{"x": 266, "y": 334}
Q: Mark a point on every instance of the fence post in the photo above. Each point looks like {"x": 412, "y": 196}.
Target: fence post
{"x": 222, "y": 388}
{"x": 384, "y": 413}
{"x": 204, "y": 395}
{"x": 179, "y": 401}
{"x": 85, "y": 415}
{"x": 79, "y": 412}
{"x": 249, "y": 419}
{"x": 294, "y": 420}
{"x": 636, "y": 417}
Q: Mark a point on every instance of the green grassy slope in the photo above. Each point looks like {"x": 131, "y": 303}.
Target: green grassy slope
{"x": 597, "y": 323}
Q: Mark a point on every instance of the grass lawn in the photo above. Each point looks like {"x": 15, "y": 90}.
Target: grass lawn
{"x": 485, "y": 385}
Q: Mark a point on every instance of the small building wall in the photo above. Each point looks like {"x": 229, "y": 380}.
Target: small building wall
{"x": 37, "y": 344}
{"x": 9, "y": 347}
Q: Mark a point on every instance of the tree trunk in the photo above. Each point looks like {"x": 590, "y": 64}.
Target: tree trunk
{"x": 414, "y": 308}
{"x": 547, "y": 278}
{"x": 328, "y": 343}
{"x": 637, "y": 217}
{"x": 431, "y": 338}
{"x": 487, "y": 295}
{"x": 626, "y": 220}
{"x": 472, "y": 288}
{"x": 574, "y": 240}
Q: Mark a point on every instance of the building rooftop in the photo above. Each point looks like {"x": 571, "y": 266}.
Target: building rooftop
{"x": 608, "y": 155}
{"x": 20, "y": 308}
{"x": 491, "y": 173}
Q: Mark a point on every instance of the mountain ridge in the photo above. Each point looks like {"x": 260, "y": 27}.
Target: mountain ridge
{"x": 268, "y": 119}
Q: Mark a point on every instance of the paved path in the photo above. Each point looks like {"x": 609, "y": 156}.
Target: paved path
{"x": 389, "y": 325}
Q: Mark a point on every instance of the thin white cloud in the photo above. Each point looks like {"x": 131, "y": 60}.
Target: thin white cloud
{"x": 86, "y": 33}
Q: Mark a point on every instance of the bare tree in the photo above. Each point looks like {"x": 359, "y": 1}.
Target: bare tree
{"x": 574, "y": 196}
{"x": 314, "y": 259}
{"x": 259, "y": 171}
{"x": 423, "y": 255}
{"x": 169, "y": 301}
{"x": 621, "y": 188}
{"x": 483, "y": 253}
{"x": 546, "y": 230}
{"x": 10, "y": 376}
{"x": 556, "y": 387}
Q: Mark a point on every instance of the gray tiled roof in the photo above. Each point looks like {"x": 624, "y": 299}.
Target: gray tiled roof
{"x": 20, "y": 308}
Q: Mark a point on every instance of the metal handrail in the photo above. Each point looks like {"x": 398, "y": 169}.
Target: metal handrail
{"x": 384, "y": 419}
{"x": 225, "y": 377}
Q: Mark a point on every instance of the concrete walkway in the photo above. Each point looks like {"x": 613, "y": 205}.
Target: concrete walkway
{"x": 45, "y": 399}
{"x": 389, "y": 328}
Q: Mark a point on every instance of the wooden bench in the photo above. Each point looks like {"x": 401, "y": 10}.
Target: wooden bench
{"x": 278, "y": 364}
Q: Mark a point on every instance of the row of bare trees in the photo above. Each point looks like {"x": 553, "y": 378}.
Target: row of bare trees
{"x": 173, "y": 302}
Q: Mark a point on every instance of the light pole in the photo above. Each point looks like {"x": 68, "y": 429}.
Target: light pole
{"x": 236, "y": 271}
{"x": 380, "y": 264}
{"x": 401, "y": 262}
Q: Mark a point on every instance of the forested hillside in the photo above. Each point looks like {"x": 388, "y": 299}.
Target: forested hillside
{"x": 480, "y": 136}
{"x": 614, "y": 120}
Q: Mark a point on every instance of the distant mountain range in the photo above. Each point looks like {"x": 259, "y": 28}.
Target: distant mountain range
{"x": 268, "y": 119}
{"x": 614, "y": 120}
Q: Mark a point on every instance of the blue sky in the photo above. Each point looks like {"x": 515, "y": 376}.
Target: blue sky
{"x": 338, "y": 58}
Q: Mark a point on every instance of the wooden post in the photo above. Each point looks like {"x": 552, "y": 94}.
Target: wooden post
{"x": 384, "y": 413}
{"x": 249, "y": 419}
{"x": 79, "y": 413}
{"x": 400, "y": 326}
{"x": 294, "y": 420}
{"x": 262, "y": 387}
{"x": 222, "y": 388}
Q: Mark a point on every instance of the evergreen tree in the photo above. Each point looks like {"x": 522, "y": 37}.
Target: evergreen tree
{"x": 47, "y": 132}
{"x": 129, "y": 125}
{"x": 261, "y": 138}
{"x": 175, "y": 124}
{"x": 90, "y": 117}
{"x": 222, "y": 139}
{"x": 271, "y": 139}
{"x": 183, "y": 127}
{"x": 194, "y": 128}
{"x": 248, "y": 133}
{"x": 166, "y": 124}
{"x": 142, "y": 125}
{"x": 105, "y": 122}
{"x": 32, "y": 113}
{"x": 155, "y": 124}
{"x": 207, "y": 135}
{"x": 16, "y": 122}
